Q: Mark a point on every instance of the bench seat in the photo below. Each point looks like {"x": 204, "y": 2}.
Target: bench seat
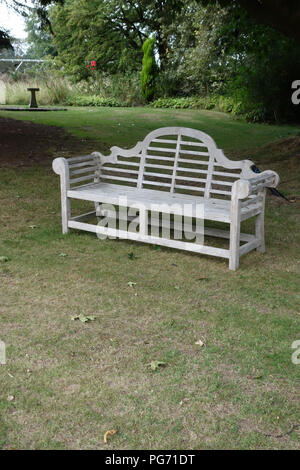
{"x": 214, "y": 209}
{"x": 174, "y": 171}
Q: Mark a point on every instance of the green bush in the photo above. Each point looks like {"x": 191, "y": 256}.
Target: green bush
{"x": 123, "y": 88}
{"x": 182, "y": 103}
{"x": 149, "y": 70}
{"x": 226, "y": 104}
{"x": 81, "y": 100}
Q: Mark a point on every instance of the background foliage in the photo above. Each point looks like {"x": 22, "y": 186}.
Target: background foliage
{"x": 208, "y": 53}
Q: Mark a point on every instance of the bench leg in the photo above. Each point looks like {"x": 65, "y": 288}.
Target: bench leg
{"x": 260, "y": 227}
{"x": 65, "y": 213}
{"x": 235, "y": 233}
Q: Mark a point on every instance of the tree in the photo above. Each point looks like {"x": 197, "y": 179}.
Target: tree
{"x": 149, "y": 69}
{"x": 39, "y": 39}
{"x": 111, "y": 32}
{"x": 5, "y": 42}
{"x": 24, "y": 9}
{"x": 281, "y": 15}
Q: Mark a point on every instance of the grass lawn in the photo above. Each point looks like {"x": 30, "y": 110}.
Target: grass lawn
{"x": 66, "y": 383}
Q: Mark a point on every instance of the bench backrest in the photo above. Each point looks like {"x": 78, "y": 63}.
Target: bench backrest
{"x": 174, "y": 159}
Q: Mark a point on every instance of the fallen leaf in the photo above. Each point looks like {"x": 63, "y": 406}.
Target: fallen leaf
{"x": 111, "y": 432}
{"x": 200, "y": 343}
{"x": 10, "y": 398}
{"x": 83, "y": 318}
{"x": 131, "y": 284}
{"x": 154, "y": 365}
{"x": 202, "y": 279}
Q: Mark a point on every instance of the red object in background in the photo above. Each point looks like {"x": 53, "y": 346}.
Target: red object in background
{"x": 91, "y": 65}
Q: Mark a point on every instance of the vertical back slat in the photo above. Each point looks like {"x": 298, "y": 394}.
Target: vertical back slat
{"x": 175, "y": 163}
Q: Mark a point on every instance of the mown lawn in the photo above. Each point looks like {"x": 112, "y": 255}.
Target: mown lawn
{"x": 69, "y": 382}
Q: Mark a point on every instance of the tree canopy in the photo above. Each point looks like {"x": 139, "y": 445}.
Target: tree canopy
{"x": 235, "y": 49}
{"x": 281, "y": 15}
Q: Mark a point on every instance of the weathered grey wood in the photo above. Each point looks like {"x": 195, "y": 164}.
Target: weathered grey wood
{"x": 235, "y": 228}
{"x": 60, "y": 166}
{"x": 87, "y": 215}
{"x": 248, "y": 247}
{"x": 259, "y": 224}
{"x": 208, "y": 231}
{"x": 233, "y": 201}
{"x": 187, "y": 246}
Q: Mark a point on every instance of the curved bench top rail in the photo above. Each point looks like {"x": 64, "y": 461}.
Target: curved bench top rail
{"x": 174, "y": 159}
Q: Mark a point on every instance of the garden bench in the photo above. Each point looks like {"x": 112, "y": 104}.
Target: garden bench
{"x": 171, "y": 168}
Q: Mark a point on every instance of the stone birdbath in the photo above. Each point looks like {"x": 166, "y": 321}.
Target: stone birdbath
{"x": 33, "y": 103}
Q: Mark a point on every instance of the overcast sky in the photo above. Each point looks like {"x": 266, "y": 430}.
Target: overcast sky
{"x": 12, "y": 21}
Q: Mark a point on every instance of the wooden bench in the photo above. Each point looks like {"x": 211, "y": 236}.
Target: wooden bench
{"x": 172, "y": 166}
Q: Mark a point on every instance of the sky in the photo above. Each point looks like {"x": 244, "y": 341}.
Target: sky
{"x": 12, "y": 21}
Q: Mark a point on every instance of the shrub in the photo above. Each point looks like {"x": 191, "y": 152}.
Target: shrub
{"x": 185, "y": 103}
{"x": 124, "y": 88}
{"x": 80, "y": 100}
{"x": 149, "y": 70}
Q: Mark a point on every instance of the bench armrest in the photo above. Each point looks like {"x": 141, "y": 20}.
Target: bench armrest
{"x": 60, "y": 167}
{"x": 77, "y": 170}
{"x": 245, "y": 187}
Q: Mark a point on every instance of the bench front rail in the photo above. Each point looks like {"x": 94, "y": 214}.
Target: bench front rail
{"x": 171, "y": 169}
